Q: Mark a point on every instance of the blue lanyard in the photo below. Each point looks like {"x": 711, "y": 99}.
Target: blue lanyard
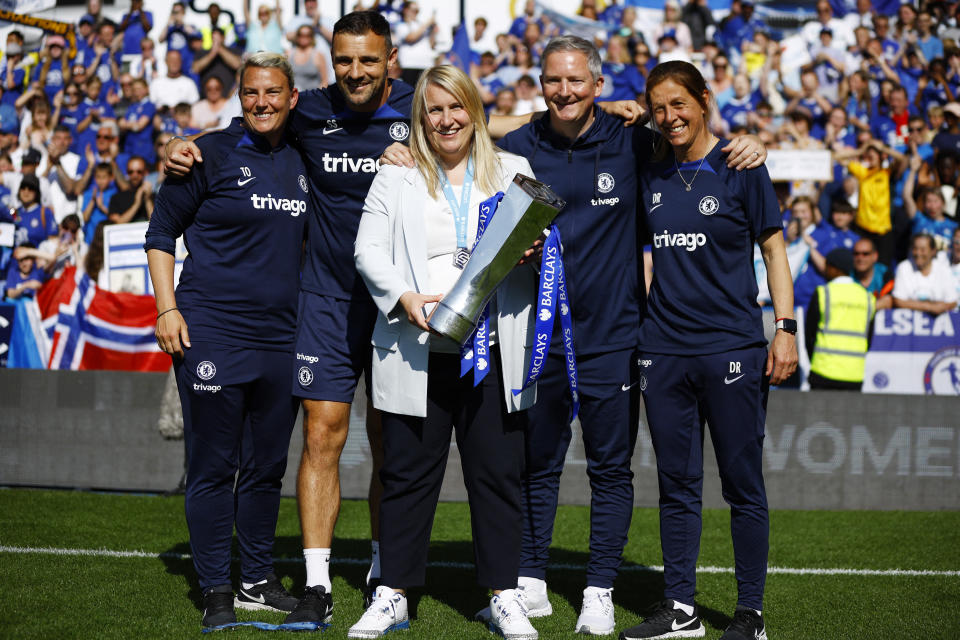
{"x": 553, "y": 294}
{"x": 475, "y": 354}
{"x": 460, "y": 209}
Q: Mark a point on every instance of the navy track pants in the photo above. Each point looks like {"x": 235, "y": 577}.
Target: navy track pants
{"x": 238, "y": 414}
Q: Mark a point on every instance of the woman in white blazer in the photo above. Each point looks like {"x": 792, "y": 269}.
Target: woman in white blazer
{"x": 417, "y": 225}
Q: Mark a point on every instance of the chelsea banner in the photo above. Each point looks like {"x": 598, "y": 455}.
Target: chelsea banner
{"x": 914, "y": 352}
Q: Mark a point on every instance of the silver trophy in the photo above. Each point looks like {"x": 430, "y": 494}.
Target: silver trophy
{"x": 527, "y": 208}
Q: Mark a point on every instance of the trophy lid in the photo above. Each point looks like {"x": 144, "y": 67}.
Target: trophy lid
{"x": 539, "y": 191}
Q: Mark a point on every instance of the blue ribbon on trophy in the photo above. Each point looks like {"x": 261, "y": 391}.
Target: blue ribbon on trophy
{"x": 475, "y": 353}
{"x": 552, "y": 297}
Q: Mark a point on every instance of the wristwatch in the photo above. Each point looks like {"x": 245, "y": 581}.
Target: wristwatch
{"x": 787, "y": 324}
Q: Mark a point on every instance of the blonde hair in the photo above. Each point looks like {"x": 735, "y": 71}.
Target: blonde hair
{"x": 460, "y": 86}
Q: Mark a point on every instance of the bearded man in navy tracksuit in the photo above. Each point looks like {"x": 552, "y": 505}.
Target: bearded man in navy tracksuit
{"x": 230, "y": 328}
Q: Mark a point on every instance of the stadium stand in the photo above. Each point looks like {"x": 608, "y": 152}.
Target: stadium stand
{"x": 872, "y": 86}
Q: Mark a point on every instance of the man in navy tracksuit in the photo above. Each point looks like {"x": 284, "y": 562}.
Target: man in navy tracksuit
{"x": 343, "y": 130}
{"x": 231, "y": 327}
{"x": 591, "y": 160}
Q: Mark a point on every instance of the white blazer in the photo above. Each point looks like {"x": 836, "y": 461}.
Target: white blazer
{"x": 391, "y": 255}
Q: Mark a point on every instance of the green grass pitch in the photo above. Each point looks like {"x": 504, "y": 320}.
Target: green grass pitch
{"x": 93, "y": 596}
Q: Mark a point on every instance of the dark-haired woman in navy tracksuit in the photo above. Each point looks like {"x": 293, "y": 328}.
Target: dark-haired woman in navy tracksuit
{"x": 704, "y": 357}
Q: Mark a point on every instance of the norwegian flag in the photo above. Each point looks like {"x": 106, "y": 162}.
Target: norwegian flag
{"x": 92, "y": 328}
{"x": 51, "y": 296}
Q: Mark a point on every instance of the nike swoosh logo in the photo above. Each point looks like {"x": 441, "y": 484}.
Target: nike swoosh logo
{"x": 676, "y": 627}
{"x": 624, "y": 387}
{"x": 729, "y": 381}
{"x": 326, "y": 131}
{"x": 261, "y": 599}
{"x": 240, "y": 182}
{"x": 655, "y": 206}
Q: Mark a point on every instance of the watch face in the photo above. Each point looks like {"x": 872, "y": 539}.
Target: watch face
{"x": 788, "y": 325}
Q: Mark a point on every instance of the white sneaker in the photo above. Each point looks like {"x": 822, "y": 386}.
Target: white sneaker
{"x": 387, "y": 613}
{"x": 534, "y": 593}
{"x": 508, "y": 616}
{"x": 596, "y": 615}
{"x": 535, "y": 596}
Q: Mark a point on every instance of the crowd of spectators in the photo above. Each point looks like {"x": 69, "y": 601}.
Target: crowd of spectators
{"x": 82, "y": 137}
{"x": 880, "y": 93}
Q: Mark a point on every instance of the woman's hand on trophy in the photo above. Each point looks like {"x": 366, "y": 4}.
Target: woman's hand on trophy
{"x": 413, "y": 303}
{"x": 398, "y": 154}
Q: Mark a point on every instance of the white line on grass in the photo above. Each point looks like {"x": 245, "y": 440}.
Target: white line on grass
{"x": 169, "y": 555}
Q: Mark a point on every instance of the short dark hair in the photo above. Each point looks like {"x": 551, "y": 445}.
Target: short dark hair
{"x": 929, "y": 238}
{"x": 358, "y": 23}
{"x": 70, "y": 222}
{"x": 923, "y": 192}
{"x": 62, "y": 128}
{"x": 104, "y": 166}
{"x": 135, "y": 158}
{"x": 841, "y": 206}
{"x": 527, "y": 80}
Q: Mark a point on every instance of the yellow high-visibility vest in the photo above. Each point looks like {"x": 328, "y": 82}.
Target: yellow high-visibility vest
{"x": 846, "y": 310}
{"x": 228, "y": 35}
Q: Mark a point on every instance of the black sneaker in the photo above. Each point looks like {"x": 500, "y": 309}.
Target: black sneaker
{"x": 666, "y": 622}
{"x": 316, "y": 607}
{"x": 218, "y": 607}
{"x": 269, "y": 595}
{"x": 369, "y": 591}
{"x": 747, "y": 625}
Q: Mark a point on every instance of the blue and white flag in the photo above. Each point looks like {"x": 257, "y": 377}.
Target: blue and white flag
{"x": 460, "y": 54}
